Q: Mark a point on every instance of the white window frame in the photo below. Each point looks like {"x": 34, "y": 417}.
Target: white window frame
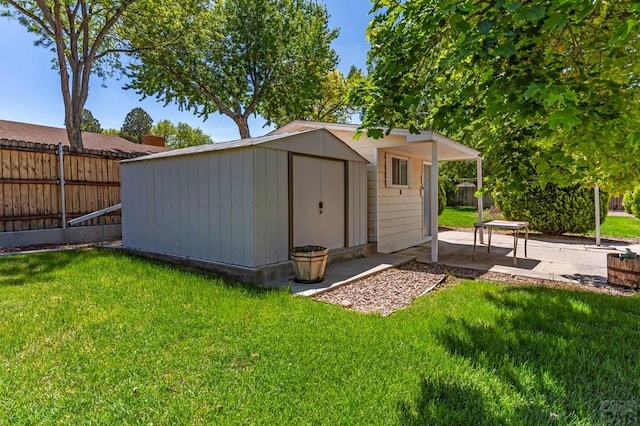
{"x": 389, "y": 171}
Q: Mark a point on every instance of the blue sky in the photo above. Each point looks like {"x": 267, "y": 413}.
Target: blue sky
{"x": 30, "y": 88}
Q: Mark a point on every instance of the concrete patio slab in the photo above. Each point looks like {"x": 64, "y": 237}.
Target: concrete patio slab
{"x": 575, "y": 261}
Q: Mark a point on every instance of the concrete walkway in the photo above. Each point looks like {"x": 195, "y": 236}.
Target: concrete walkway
{"x": 576, "y": 261}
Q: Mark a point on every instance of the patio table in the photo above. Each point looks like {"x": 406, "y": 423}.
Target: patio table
{"x": 515, "y": 227}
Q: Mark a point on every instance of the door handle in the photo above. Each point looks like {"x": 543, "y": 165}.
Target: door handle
{"x": 320, "y": 205}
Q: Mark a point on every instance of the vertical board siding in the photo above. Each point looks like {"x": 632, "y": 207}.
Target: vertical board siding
{"x": 199, "y": 206}
{"x": 227, "y": 206}
{"x": 203, "y": 248}
{"x": 193, "y": 229}
{"x": 357, "y": 212}
{"x": 215, "y": 227}
{"x": 30, "y": 192}
{"x": 260, "y": 173}
{"x": 224, "y": 180}
{"x": 236, "y": 184}
{"x": 282, "y": 179}
{"x": 248, "y": 207}
{"x": 270, "y": 182}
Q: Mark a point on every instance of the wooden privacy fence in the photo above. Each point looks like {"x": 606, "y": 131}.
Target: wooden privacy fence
{"x": 37, "y": 193}
{"x": 615, "y": 203}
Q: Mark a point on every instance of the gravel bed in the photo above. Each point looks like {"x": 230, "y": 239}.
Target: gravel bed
{"x": 386, "y": 291}
{"x": 395, "y": 288}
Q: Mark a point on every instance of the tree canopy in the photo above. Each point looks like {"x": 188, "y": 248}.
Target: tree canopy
{"x": 548, "y": 89}
{"x": 334, "y": 105}
{"x": 238, "y": 58}
{"x": 136, "y": 124}
{"x": 181, "y": 135}
{"x": 82, "y": 36}
{"x": 89, "y": 122}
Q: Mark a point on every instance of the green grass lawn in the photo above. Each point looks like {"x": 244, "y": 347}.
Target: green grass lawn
{"x": 620, "y": 226}
{"x": 613, "y": 226}
{"x": 460, "y": 217}
{"x": 102, "y": 338}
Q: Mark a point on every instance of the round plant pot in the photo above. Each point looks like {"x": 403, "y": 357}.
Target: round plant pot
{"x": 309, "y": 263}
{"x": 623, "y": 271}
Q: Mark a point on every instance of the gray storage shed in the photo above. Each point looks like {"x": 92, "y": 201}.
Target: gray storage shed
{"x": 239, "y": 207}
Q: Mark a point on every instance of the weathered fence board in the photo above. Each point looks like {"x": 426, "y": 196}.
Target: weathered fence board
{"x": 615, "y": 203}
{"x": 30, "y": 185}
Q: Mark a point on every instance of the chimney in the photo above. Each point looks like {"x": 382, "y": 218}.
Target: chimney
{"x": 153, "y": 140}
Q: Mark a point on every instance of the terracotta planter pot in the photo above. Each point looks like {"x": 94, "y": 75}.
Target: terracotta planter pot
{"x": 309, "y": 263}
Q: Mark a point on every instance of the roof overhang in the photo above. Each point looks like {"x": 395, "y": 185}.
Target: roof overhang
{"x": 401, "y": 140}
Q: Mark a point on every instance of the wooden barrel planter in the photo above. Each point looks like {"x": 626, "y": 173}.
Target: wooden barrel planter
{"x": 309, "y": 263}
{"x": 623, "y": 271}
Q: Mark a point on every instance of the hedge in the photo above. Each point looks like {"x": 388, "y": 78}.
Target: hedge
{"x": 631, "y": 202}
{"x": 553, "y": 210}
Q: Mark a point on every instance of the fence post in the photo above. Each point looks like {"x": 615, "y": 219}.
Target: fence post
{"x": 61, "y": 179}
{"x": 480, "y": 200}
{"x": 597, "y": 203}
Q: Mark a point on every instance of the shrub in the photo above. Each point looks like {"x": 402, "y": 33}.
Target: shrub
{"x": 442, "y": 198}
{"x": 553, "y": 210}
{"x": 631, "y": 202}
{"x": 449, "y": 189}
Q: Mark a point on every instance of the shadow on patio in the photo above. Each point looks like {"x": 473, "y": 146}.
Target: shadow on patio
{"x": 570, "y": 260}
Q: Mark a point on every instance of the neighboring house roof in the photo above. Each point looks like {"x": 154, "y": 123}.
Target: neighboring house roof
{"x": 452, "y": 150}
{"x": 34, "y": 133}
{"x": 268, "y": 141}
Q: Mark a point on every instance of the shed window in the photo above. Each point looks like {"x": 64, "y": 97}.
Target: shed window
{"x": 398, "y": 171}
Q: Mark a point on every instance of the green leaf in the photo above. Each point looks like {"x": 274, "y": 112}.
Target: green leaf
{"x": 485, "y": 26}
{"x": 375, "y": 133}
{"x": 506, "y": 50}
{"x": 564, "y": 118}
{"x": 554, "y": 99}
{"x": 512, "y": 6}
{"x": 532, "y": 90}
{"x": 622, "y": 32}
{"x": 557, "y": 20}
{"x": 531, "y": 13}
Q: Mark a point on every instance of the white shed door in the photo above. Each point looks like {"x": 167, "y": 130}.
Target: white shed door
{"x": 318, "y": 202}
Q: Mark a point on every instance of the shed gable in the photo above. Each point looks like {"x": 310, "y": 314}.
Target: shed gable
{"x": 319, "y": 143}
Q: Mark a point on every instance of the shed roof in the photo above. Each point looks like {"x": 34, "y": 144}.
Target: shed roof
{"x": 450, "y": 149}
{"x": 13, "y": 130}
{"x": 274, "y": 141}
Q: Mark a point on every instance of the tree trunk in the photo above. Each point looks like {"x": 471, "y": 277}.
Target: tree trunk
{"x": 75, "y": 131}
{"x": 243, "y": 126}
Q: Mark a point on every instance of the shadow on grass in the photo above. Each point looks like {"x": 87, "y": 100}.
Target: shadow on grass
{"x": 23, "y": 269}
{"x": 440, "y": 402}
{"x": 184, "y": 265}
{"x": 444, "y": 403}
{"x": 566, "y": 351}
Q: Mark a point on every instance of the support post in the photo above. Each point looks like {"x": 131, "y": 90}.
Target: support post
{"x": 480, "y": 198}
{"x": 63, "y": 207}
{"x": 433, "y": 202}
{"x": 597, "y": 203}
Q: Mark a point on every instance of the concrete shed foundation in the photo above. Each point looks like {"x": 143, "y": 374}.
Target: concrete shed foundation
{"x": 264, "y": 276}
{"x": 60, "y": 236}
